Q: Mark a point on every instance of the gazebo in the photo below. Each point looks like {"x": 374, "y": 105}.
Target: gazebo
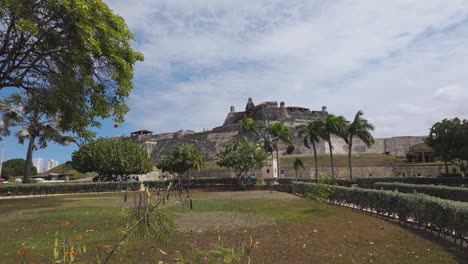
{"x": 421, "y": 153}
{"x": 141, "y": 132}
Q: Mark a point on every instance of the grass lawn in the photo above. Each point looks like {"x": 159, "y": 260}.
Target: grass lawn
{"x": 340, "y": 160}
{"x": 288, "y": 229}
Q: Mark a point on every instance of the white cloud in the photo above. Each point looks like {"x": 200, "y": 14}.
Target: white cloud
{"x": 403, "y": 62}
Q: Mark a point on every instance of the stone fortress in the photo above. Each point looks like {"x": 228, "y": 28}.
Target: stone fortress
{"x": 211, "y": 141}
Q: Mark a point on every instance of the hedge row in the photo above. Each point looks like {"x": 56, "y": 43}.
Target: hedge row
{"x": 441, "y": 191}
{"x": 57, "y": 188}
{"x": 444, "y": 216}
{"x": 281, "y": 181}
{"x": 85, "y": 187}
{"x": 449, "y": 181}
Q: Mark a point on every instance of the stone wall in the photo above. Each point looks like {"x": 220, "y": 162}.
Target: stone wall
{"x": 382, "y": 171}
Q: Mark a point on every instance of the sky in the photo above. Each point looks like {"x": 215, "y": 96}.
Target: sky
{"x": 404, "y": 63}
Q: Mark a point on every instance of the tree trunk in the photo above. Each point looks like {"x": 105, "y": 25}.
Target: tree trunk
{"x": 331, "y": 158}
{"x": 315, "y": 160}
{"x": 278, "y": 162}
{"x": 27, "y": 169}
{"x": 350, "y": 162}
{"x": 446, "y": 168}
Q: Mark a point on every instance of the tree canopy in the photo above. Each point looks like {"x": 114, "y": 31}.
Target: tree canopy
{"x": 360, "y": 128}
{"x": 182, "y": 159}
{"x": 78, "y": 52}
{"x": 449, "y": 140}
{"x": 242, "y": 156}
{"x": 110, "y": 158}
{"x": 15, "y": 167}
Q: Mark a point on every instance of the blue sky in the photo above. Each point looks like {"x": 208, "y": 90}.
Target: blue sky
{"x": 404, "y": 63}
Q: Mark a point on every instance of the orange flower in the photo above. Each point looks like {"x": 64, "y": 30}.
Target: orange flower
{"x": 79, "y": 237}
{"x": 100, "y": 246}
{"x": 72, "y": 252}
{"x": 63, "y": 223}
{"x": 66, "y": 253}
{"x": 24, "y": 252}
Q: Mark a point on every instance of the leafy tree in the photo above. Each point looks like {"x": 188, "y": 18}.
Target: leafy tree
{"x": 182, "y": 159}
{"x": 110, "y": 158}
{"x": 449, "y": 140}
{"x": 359, "y": 128}
{"x": 15, "y": 167}
{"x": 241, "y": 156}
{"x": 298, "y": 164}
{"x": 78, "y": 52}
{"x": 311, "y": 132}
{"x": 333, "y": 125}
{"x": 26, "y": 112}
{"x": 280, "y": 132}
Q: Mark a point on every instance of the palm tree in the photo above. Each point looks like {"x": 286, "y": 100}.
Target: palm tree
{"x": 360, "y": 128}
{"x": 26, "y": 112}
{"x": 298, "y": 164}
{"x": 248, "y": 128}
{"x": 280, "y": 132}
{"x": 311, "y": 132}
{"x": 333, "y": 125}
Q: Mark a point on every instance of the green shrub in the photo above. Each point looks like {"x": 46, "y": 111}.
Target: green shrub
{"x": 288, "y": 180}
{"x": 60, "y": 188}
{"x": 441, "y": 191}
{"x": 449, "y": 181}
{"x": 444, "y": 216}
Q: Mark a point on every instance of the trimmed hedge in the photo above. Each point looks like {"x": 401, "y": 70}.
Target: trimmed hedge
{"x": 448, "y": 181}
{"x": 58, "y": 188}
{"x": 441, "y": 191}
{"x": 443, "y": 216}
{"x": 288, "y": 180}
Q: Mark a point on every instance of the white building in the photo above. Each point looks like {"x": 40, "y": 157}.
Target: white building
{"x": 51, "y": 164}
{"x": 38, "y": 163}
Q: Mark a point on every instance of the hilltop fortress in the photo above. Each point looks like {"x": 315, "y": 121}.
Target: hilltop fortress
{"x": 211, "y": 141}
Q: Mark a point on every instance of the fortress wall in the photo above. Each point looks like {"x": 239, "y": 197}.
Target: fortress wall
{"x": 364, "y": 172}
{"x": 399, "y": 146}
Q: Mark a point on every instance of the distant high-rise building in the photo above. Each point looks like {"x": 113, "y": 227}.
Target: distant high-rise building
{"x": 38, "y": 163}
{"x": 51, "y": 164}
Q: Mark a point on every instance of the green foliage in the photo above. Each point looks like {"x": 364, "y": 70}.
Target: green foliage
{"x": 359, "y": 128}
{"x": 182, "y": 159}
{"x": 310, "y": 132}
{"x": 15, "y": 167}
{"x": 449, "y": 181}
{"x": 27, "y": 113}
{"x": 298, "y": 164}
{"x": 321, "y": 191}
{"x": 449, "y": 140}
{"x": 332, "y": 125}
{"x": 148, "y": 218}
{"x": 444, "y": 192}
{"x": 58, "y": 188}
{"x": 248, "y": 127}
{"x": 222, "y": 253}
{"x": 443, "y": 216}
{"x": 77, "y": 52}
{"x": 111, "y": 157}
{"x": 241, "y": 156}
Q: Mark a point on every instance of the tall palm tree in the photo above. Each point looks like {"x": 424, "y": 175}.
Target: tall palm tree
{"x": 25, "y": 112}
{"x": 298, "y": 164}
{"x": 280, "y": 132}
{"x": 360, "y": 128}
{"x": 311, "y": 132}
{"x": 333, "y": 125}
